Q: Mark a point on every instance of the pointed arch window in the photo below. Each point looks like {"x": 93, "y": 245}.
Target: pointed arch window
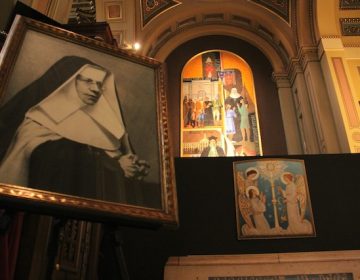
{"x": 218, "y": 108}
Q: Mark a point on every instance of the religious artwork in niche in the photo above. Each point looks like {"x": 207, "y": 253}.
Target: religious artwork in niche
{"x": 218, "y": 93}
{"x": 73, "y": 117}
{"x": 272, "y": 199}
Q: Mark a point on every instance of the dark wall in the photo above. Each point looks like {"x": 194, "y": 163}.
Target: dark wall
{"x": 208, "y": 223}
{"x": 270, "y": 120}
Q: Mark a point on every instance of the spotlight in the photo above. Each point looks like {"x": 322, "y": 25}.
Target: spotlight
{"x": 136, "y": 46}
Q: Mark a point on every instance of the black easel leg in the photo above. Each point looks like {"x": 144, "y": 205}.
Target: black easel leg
{"x": 55, "y": 239}
{"x": 112, "y": 260}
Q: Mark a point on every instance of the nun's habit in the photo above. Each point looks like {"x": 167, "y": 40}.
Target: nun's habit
{"x": 61, "y": 144}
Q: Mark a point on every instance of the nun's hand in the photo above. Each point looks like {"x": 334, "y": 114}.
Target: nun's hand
{"x": 127, "y": 164}
{"x": 143, "y": 168}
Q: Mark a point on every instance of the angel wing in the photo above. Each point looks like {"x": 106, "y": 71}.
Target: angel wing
{"x": 245, "y": 209}
{"x": 301, "y": 193}
{"x": 240, "y": 182}
{"x": 243, "y": 201}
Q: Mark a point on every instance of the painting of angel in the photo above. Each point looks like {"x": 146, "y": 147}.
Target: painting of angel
{"x": 272, "y": 199}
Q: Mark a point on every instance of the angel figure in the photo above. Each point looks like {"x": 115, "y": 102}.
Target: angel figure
{"x": 243, "y": 202}
{"x": 252, "y": 175}
{"x": 295, "y": 199}
{"x": 258, "y": 208}
{"x": 251, "y": 203}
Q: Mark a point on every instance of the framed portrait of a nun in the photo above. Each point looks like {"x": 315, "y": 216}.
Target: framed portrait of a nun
{"x": 83, "y": 127}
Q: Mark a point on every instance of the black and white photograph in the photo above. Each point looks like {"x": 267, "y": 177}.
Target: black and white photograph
{"x": 83, "y": 119}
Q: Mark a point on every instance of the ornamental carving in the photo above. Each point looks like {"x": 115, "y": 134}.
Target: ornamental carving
{"x": 152, "y": 8}
{"x": 350, "y": 26}
{"x": 349, "y": 4}
{"x": 280, "y": 7}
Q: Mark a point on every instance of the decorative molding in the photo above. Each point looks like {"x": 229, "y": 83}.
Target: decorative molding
{"x": 232, "y": 20}
{"x": 331, "y": 37}
{"x": 281, "y": 80}
{"x": 350, "y": 26}
{"x": 312, "y": 22}
{"x": 240, "y": 20}
{"x": 186, "y": 22}
{"x": 308, "y": 54}
{"x": 165, "y": 34}
{"x": 349, "y": 4}
{"x": 298, "y": 64}
{"x": 265, "y": 31}
{"x": 294, "y": 69}
{"x": 213, "y": 17}
{"x": 279, "y": 7}
{"x": 330, "y": 276}
{"x": 114, "y": 11}
{"x": 322, "y": 265}
{"x": 298, "y": 17}
{"x": 352, "y": 45}
{"x": 152, "y": 8}
{"x": 346, "y": 94}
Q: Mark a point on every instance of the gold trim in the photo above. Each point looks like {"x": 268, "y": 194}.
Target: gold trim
{"x": 79, "y": 206}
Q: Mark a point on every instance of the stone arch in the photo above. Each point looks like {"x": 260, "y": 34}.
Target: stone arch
{"x": 276, "y": 54}
{"x": 248, "y": 21}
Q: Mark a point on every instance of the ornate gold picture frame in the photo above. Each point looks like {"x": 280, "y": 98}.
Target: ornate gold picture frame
{"x": 83, "y": 128}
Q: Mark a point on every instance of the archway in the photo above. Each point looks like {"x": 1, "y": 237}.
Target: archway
{"x": 270, "y": 120}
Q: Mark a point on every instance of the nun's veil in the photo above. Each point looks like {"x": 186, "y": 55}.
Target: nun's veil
{"x": 13, "y": 112}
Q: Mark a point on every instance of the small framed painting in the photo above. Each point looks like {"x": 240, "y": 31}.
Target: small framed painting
{"x": 272, "y": 199}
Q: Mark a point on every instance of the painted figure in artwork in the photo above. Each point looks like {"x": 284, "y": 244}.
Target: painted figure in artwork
{"x": 242, "y": 107}
{"x": 213, "y": 150}
{"x": 258, "y": 208}
{"x": 252, "y": 203}
{"x": 210, "y": 69}
{"x": 229, "y": 121}
{"x": 216, "y": 109}
{"x": 199, "y": 112}
{"x": 208, "y": 112}
{"x": 295, "y": 199}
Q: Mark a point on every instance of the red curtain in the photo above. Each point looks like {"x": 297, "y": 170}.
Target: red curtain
{"x": 9, "y": 245}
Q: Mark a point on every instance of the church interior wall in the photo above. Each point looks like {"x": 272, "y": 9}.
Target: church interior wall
{"x": 205, "y": 186}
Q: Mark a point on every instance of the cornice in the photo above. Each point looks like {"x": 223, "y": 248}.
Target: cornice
{"x": 308, "y": 54}
{"x": 281, "y": 80}
{"x": 298, "y": 64}
{"x": 294, "y": 69}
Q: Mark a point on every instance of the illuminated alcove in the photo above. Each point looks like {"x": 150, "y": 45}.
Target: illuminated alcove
{"x": 218, "y": 107}
{"x": 267, "y": 98}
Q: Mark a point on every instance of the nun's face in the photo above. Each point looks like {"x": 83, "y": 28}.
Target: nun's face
{"x": 212, "y": 143}
{"x": 89, "y": 84}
